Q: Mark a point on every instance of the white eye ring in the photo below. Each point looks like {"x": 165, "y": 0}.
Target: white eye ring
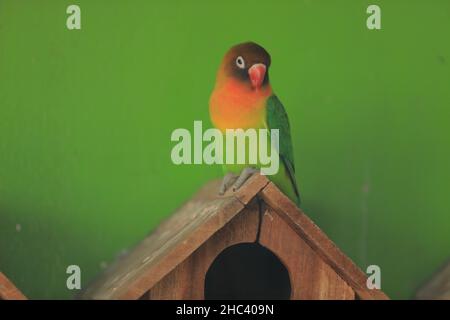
{"x": 240, "y": 62}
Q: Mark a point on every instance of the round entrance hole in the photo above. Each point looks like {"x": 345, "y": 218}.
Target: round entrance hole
{"x": 247, "y": 271}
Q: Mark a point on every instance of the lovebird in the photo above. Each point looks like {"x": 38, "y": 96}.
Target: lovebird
{"x": 242, "y": 99}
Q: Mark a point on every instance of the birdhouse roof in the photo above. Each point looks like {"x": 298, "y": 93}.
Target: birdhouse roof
{"x": 176, "y": 238}
{"x": 8, "y": 290}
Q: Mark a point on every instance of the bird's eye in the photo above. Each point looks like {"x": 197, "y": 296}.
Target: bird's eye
{"x": 240, "y": 62}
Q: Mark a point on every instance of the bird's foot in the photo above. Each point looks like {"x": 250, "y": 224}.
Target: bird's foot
{"x": 227, "y": 181}
{"x": 245, "y": 174}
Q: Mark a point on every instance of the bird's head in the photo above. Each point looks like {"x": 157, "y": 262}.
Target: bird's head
{"x": 248, "y": 63}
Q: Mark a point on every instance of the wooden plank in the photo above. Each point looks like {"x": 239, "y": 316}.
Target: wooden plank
{"x": 438, "y": 287}
{"x": 187, "y": 281}
{"x": 320, "y": 243}
{"x": 8, "y": 290}
{"x": 172, "y": 242}
{"x": 311, "y": 278}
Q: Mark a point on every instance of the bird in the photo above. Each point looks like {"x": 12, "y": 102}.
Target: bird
{"x": 243, "y": 98}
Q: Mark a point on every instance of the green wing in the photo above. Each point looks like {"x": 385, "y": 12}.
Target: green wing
{"x": 277, "y": 119}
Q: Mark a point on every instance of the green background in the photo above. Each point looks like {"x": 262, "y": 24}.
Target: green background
{"x": 86, "y": 118}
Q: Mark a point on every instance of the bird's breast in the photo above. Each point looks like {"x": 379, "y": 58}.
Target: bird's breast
{"x": 233, "y": 106}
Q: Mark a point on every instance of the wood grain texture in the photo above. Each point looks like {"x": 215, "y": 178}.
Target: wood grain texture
{"x": 172, "y": 262}
{"x": 438, "y": 287}
{"x": 311, "y": 278}
{"x": 172, "y": 242}
{"x": 8, "y": 290}
{"x": 187, "y": 280}
{"x": 320, "y": 243}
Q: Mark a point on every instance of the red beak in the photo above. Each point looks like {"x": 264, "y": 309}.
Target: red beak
{"x": 257, "y": 72}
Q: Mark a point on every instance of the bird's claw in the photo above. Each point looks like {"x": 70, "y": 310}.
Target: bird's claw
{"x": 236, "y": 181}
{"x": 227, "y": 181}
{"x": 245, "y": 174}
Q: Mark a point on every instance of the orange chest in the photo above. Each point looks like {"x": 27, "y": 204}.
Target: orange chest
{"x": 231, "y": 107}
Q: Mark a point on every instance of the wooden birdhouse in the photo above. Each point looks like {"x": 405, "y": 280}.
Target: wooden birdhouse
{"x": 250, "y": 244}
{"x": 8, "y": 290}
